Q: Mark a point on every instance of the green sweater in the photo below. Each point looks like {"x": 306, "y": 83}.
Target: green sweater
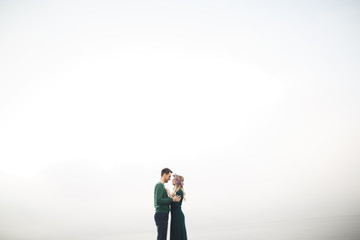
{"x": 161, "y": 199}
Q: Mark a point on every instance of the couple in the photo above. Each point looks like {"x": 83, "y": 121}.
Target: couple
{"x": 162, "y": 201}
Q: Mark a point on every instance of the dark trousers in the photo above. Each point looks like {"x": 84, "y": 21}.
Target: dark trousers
{"x": 161, "y": 220}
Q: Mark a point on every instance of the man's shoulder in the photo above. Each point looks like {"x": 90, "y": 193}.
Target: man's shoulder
{"x": 159, "y": 184}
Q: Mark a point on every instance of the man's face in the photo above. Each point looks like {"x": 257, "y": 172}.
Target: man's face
{"x": 167, "y": 177}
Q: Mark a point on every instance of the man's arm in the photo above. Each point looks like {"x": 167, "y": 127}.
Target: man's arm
{"x": 158, "y": 196}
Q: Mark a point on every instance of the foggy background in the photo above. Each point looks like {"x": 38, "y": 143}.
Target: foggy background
{"x": 255, "y": 103}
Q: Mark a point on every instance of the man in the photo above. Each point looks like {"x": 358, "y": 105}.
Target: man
{"x": 161, "y": 203}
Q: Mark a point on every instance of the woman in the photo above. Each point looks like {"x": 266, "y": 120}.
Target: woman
{"x": 177, "y": 226}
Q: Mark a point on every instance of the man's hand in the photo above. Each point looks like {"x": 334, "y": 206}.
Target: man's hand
{"x": 176, "y": 198}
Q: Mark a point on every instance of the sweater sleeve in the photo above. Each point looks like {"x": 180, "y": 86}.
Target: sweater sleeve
{"x": 159, "y": 190}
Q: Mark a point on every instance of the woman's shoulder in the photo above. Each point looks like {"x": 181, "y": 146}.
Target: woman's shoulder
{"x": 180, "y": 191}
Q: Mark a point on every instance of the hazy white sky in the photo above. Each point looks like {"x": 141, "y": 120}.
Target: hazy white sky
{"x": 255, "y": 103}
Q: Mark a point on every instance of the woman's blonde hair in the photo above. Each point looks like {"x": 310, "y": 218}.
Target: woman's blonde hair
{"x": 179, "y": 184}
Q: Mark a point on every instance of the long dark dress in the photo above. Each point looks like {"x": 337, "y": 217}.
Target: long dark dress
{"x": 177, "y": 226}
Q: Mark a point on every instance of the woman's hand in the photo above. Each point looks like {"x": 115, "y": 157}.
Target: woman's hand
{"x": 168, "y": 192}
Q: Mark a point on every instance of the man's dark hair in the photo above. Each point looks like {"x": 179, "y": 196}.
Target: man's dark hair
{"x": 165, "y": 171}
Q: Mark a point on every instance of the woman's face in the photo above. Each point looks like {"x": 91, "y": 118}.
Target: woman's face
{"x": 173, "y": 182}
